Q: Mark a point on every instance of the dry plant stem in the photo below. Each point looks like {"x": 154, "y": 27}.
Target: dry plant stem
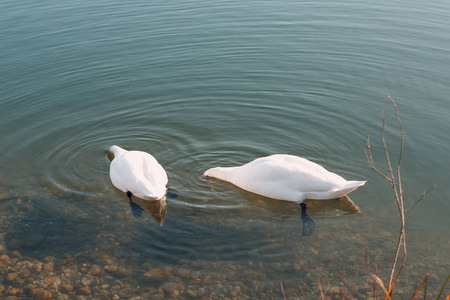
{"x": 320, "y": 289}
{"x": 418, "y": 291}
{"x": 425, "y": 192}
{"x": 400, "y": 189}
{"x": 329, "y": 286}
{"x": 396, "y": 184}
{"x": 282, "y": 290}
{"x": 301, "y": 290}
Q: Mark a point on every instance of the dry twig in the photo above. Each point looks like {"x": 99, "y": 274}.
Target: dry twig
{"x": 396, "y": 182}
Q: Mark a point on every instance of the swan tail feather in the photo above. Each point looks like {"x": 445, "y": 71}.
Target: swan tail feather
{"x": 351, "y": 186}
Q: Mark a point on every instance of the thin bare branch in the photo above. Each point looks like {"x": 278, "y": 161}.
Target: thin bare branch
{"x": 396, "y": 182}
{"x": 425, "y": 192}
{"x": 401, "y": 144}
{"x": 369, "y": 158}
{"x": 388, "y": 160}
{"x": 400, "y": 242}
{"x": 396, "y": 186}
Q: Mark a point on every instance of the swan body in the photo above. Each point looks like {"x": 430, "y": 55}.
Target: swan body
{"x": 286, "y": 177}
{"x": 138, "y": 173}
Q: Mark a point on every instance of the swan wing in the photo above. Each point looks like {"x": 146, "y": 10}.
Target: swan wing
{"x": 155, "y": 177}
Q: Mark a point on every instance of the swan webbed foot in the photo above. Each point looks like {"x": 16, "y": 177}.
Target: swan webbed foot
{"x": 135, "y": 208}
{"x": 308, "y": 223}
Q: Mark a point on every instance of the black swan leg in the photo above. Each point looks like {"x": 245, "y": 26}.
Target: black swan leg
{"x": 135, "y": 209}
{"x": 308, "y": 223}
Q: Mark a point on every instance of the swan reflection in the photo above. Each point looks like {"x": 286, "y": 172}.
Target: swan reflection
{"x": 157, "y": 208}
{"x": 342, "y": 206}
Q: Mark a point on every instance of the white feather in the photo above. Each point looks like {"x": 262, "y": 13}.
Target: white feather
{"x": 137, "y": 172}
{"x": 286, "y": 177}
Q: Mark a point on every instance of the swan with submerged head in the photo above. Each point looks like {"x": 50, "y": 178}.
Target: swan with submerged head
{"x": 137, "y": 173}
{"x": 289, "y": 178}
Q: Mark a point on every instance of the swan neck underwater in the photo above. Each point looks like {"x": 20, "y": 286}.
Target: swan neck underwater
{"x": 115, "y": 151}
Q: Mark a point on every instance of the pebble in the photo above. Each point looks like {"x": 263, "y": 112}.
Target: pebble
{"x": 11, "y": 276}
{"x": 111, "y": 268}
{"x": 48, "y": 266}
{"x": 192, "y": 293}
{"x": 103, "y": 261}
{"x": 95, "y": 270}
{"x": 183, "y": 273}
{"x": 83, "y": 291}
{"x": 174, "y": 294}
{"x": 122, "y": 272}
{"x": 53, "y": 281}
{"x": 158, "y": 273}
{"x": 170, "y": 287}
{"x": 4, "y": 257}
{"x": 201, "y": 292}
{"x": 25, "y": 273}
{"x": 14, "y": 291}
{"x": 15, "y": 254}
{"x": 40, "y": 294}
{"x": 65, "y": 261}
{"x": 66, "y": 288}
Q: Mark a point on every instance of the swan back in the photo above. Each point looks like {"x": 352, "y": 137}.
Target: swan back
{"x": 139, "y": 173}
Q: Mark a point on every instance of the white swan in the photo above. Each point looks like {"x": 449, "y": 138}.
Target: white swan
{"x": 137, "y": 173}
{"x": 286, "y": 177}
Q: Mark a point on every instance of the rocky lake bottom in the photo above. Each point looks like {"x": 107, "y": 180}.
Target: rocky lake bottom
{"x": 53, "y": 251}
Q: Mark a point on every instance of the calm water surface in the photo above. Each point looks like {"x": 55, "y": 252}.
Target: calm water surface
{"x": 208, "y": 83}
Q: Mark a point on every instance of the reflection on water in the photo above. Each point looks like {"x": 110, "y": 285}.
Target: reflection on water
{"x": 344, "y": 204}
{"x": 157, "y": 208}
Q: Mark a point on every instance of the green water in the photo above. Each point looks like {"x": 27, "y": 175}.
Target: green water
{"x": 219, "y": 83}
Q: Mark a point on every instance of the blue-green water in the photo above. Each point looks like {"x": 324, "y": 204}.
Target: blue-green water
{"x": 207, "y": 83}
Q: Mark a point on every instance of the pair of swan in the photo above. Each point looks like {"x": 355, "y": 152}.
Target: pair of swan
{"x": 279, "y": 176}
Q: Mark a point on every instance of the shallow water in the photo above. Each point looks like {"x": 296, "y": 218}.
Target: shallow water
{"x": 200, "y": 84}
